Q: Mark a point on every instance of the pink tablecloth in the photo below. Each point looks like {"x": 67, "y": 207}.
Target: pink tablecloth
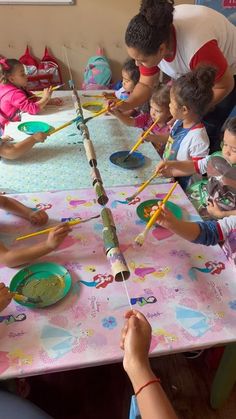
{"x": 187, "y": 291}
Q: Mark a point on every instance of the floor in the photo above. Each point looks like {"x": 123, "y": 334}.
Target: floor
{"x": 104, "y": 392}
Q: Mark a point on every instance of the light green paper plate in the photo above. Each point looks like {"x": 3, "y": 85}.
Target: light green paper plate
{"x": 49, "y": 281}
{"x": 175, "y": 209}
{"x": 32, "y": 127}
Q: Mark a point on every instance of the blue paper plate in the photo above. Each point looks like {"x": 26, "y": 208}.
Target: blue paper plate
{"x": 134, "y": 161}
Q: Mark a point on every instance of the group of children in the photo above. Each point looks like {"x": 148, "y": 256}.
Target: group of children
{"x": 181, "y": 140}
{"x": 179, "y": 136}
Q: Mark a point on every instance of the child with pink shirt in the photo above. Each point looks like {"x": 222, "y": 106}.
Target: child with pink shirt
{"x": 159, "y": 108}
{"x": 14, "y": 98}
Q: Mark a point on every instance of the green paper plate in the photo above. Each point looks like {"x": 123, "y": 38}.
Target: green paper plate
{"x": 175, "y": 209}
{"x": 31, "y": 127}
{"x": 49, "y": 281}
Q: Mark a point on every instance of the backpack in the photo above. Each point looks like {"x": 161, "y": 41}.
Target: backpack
{"x": 97, "y": 73}
{"x": 41, "y": 74}
{"x": 49, "y": 71}
{"x": 31, "y": 68}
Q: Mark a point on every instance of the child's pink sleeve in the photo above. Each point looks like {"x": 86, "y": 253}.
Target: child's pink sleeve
{"x": 141, "y": 120}
{"x": 24, "y": 104}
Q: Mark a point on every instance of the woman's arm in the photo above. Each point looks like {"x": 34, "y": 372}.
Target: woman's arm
{"x": 223, "y": 87}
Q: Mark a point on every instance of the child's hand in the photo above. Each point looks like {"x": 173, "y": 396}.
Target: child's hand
{"x": 6, "y": 139}
{"x": 166, "y": 219}
{"x": 164, "y": 168}
{"x": 40, "y": 137}
{"x": 56, "y": 101}
{"x": 57, "y": 235}
{"x": 5, "y": 296}
{"x": 115, "y": 112}
{"x": 47, "y": 93}
{"x": 214, "y": 210}
{"x": 39, "y": 217}
{"x": 135, "y": 339}
{"x": 108, "y": 96}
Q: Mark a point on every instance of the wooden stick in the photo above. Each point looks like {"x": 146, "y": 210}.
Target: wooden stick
{"x": 141, "y": 237}
{"x": 140, "y": 140}
{"x": 47, "y": 230}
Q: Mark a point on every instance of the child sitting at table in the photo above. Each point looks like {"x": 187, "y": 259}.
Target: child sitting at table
{"x": 14, "y": 98}
{"x": 159, "y": 108}
{"x": 12, "y": 151}
{"x": 18, "y": 256}
{"x": 130, "y": 77}
{"x": 221, "y": 170}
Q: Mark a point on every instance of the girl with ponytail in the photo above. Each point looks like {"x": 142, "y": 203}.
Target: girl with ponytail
{"x": 190, "y": 97}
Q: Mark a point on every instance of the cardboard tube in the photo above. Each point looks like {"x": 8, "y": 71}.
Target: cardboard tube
{"x": 95, "y": 174}
{"x": 84, "y": 130}
{"x": 118, "y": 264}
{"x": 107, "y": 218}
{"x": 90, "y": 152}
{"x": 110, "y": 239}
{"x": 102, "y": 197}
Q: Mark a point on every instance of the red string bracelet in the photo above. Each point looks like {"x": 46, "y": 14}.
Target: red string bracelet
{"x": 157, "y": 380}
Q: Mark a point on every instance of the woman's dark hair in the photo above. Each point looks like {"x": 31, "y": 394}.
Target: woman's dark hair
{"x": 194, "y": 89}
{"x": 7, "y": 67}
{"x": 133, "y": 71}
{"x": 230, "y": 125}
{"x": 161, "y": 95}
{"x": 151, "y": 26}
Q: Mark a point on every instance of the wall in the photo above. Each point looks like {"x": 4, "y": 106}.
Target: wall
{"x": 80, "y": 28}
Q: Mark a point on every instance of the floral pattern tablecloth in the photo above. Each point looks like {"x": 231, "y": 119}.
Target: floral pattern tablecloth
{"x": 187, "y": 291}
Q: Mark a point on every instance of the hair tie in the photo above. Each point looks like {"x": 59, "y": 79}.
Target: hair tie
{"x": 3, "y": 62}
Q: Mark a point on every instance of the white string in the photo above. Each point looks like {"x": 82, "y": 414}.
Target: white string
{"x": 126, "y": 290}
{"x": 67, "y": 61}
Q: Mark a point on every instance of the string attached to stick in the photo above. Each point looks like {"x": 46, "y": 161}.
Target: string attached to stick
{"x": 67, "y": 61}
{"x": 126, "y": 290}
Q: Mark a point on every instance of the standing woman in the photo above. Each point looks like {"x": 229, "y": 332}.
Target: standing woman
{"x": 176, "y": 40}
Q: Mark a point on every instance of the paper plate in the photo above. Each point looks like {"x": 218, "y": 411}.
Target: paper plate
{"x": 144, "y": 209}
{"x": 93, "y": 107}
{"x": 31, "y": 127}
{"x": 134, "y": 161}
{"x": 49, "y": 281}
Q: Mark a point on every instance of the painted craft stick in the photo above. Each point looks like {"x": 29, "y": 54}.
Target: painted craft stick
{"x": 105, "y": 95}
{"x": 142, "y": 187}
{"x": 47, "y": 230}
{"x": 39, "y": 94}
{"x": 54, "y": 130}
{"x": 101, "y": 112}
{"x": 142, "y": 236}
{"x": 140, "y": 140}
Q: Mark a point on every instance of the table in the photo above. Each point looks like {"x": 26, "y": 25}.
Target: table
{"x": 186, "y": 291}
{"x": 60, "y": 163}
